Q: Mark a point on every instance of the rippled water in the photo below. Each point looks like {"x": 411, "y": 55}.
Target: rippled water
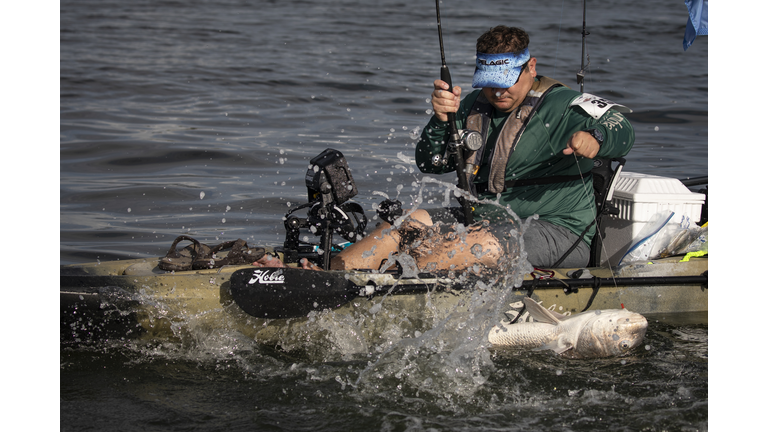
{"x": 229, "y": 382}
{"x": 200, "y": 118}
{"x": 162, "y": 102}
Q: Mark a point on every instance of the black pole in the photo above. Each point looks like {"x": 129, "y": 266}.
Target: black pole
{"x": 695, "y": 181}
{"x": 584, "y": 33}
{"x": 454, "y": 144}
{"x": 620, "y": 281}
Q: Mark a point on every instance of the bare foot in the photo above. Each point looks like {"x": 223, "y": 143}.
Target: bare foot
{"x": 307, "y": 265}
{"x": 270, "y": 261}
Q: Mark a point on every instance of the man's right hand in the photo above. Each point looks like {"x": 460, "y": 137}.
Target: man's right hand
{"x": 443, "y": 101}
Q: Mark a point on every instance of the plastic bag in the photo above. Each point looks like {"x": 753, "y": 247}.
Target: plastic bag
{"x": 644, "y": 244}
{"x": 661, "y": 238}
{"x": 686, "y": 240}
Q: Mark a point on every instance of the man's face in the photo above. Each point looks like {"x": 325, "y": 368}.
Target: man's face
{"x": 507, "y": 99}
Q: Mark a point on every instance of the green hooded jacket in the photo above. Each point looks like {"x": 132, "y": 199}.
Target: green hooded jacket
{"x": 538, "y": 153}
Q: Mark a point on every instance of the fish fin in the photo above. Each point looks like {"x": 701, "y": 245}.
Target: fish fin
{"x": 558, "y": 345}
{"x": 539, "y": 313}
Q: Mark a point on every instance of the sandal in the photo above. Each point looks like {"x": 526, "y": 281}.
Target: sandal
{"x": 183, "y": 259}
{"x": 240, "y": 254}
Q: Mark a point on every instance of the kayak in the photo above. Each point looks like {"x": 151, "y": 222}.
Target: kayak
{"x": 281, "y": 306}
{"x": 134, "y": 298}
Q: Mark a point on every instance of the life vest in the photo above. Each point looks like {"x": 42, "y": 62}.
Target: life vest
{"x": 479, "y": 120}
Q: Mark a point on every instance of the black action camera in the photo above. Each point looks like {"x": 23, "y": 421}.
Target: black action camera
{"x": 329, "y": 170}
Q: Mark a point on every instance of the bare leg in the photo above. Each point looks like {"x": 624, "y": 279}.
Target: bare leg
{"x": 434, "y": 251}
{"x": 371, "y": 250}
{"x": 459, "y": 251}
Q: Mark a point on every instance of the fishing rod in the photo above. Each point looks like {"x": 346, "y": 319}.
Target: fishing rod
{"x": 455, "y": 143}
{"x": 584, "y": 33}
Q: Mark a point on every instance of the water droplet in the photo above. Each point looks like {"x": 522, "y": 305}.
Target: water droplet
{"x": 202, "y": 195}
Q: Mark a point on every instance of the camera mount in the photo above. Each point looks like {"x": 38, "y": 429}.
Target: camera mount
{"x": 329, "y": 186}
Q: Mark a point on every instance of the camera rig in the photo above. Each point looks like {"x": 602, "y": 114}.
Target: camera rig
{"x": 329, "y": 187}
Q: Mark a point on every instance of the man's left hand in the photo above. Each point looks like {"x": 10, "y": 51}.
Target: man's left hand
{"x": 582, "y": 144}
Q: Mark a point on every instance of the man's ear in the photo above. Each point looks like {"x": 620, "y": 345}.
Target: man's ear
{"x": 532, "y": 66}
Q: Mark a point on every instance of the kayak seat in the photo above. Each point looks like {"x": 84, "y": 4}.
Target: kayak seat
{"x": 604, "y": 176}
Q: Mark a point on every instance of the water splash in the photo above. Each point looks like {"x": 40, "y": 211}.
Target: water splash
{"x": 447, "y": 358}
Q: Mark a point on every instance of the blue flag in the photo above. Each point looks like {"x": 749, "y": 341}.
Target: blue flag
{"x": 698, "y": 18}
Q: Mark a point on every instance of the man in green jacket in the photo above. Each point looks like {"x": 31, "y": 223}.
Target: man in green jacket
{"x": 538, "y": 141}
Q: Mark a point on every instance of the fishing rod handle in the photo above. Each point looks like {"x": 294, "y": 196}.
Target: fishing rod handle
{"x": 445, "y": 75}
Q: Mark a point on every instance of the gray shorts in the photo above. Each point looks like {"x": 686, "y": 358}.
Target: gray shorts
{"x": 544, "y": 242}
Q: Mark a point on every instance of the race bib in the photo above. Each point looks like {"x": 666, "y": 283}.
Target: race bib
{"x": 596, "y": 106}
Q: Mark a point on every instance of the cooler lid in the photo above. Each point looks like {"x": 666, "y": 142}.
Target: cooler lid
{"x": 650, "y": 188}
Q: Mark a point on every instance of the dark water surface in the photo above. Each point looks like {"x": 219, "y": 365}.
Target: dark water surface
{"x": 200, "y": 118}
{"x": 230, "y": 383}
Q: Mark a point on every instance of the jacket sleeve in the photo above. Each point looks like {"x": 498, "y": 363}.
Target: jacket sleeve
{"x": 435, "y": 136}
{"x": 433, "y": 141}
{"x": 618, "y": 133}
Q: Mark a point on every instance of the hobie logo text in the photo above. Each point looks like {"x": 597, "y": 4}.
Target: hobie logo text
{"x": 267, "y": 277}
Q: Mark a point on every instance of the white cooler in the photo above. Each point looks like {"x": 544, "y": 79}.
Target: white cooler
{"x": 639, "y": 197}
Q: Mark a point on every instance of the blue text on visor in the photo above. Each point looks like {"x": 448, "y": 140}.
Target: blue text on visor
{"x": 498, "y": 70}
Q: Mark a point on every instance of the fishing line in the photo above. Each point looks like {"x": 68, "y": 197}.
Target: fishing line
{"x": 593, "y": 205}
{"x": 580, "y": 81}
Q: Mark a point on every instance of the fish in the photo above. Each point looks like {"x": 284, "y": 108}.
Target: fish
{"x": 590, "y": 334}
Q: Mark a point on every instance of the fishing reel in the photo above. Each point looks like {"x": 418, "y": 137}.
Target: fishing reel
{"x": 470, "y": 140}
{"x": 329, "y": 186}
